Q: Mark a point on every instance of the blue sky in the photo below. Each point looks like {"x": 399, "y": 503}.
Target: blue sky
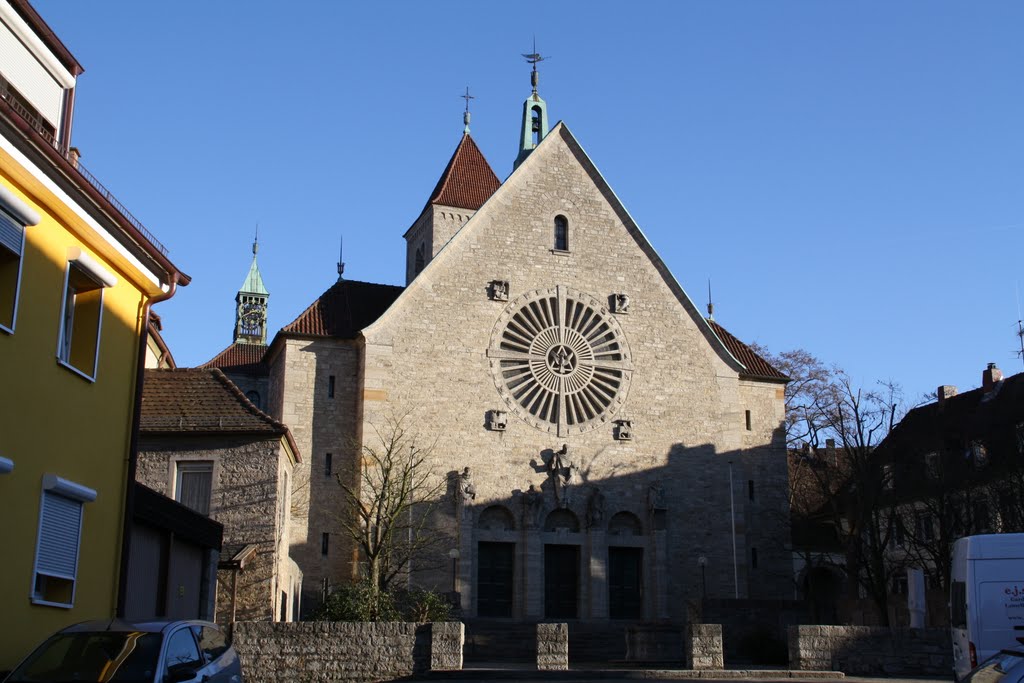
{"x": 850, "y": 176}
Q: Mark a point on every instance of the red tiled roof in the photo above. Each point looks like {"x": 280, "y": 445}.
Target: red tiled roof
{"x": 468, "y": 180}
{"x": 247, "y": 358}
{"x": 344, "y": 309}
{"x": 202, "y": 400}
{"x": 756, "y": 365}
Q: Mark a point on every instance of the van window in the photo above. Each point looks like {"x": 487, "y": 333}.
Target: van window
{"x": 958, "y": 604}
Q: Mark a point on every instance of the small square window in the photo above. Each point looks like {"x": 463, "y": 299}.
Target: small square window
{"x": 194, "y": 485}
{"x": 81, "y": 314}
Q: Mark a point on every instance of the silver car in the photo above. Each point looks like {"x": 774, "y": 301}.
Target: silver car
{"x": 123, "y": 652}
{"x": 1006, "y": 666}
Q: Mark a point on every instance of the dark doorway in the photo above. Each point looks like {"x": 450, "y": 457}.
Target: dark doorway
{"x": 625, "y": 579}
{"x": 561, "y": 581}
{"x": 494, "y": 579}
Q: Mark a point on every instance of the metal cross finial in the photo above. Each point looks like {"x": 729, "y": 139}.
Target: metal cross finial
{"x": 465, "y": 116}
{"x": 256, "y": 240}
{"x": 341, "y": 258}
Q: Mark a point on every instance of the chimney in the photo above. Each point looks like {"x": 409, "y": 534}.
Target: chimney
{"x": 944, "y": 392}
{"x": 990, "y": 377}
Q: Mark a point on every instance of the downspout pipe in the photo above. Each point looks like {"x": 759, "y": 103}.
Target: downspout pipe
{"x": 133, "y": 447}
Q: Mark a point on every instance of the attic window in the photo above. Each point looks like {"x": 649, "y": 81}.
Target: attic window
{"x": 561, "y": 233}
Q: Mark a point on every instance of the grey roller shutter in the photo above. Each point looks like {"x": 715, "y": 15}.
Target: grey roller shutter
{"x": 57, "y": 554}
{"x": 11, "y": 234}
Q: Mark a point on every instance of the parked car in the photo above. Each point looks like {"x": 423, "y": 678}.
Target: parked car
{"x": 1006, "y": 666}
{"x": 122, "y": 652}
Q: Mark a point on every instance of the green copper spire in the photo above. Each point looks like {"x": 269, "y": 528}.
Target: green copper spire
{"x": 535, "y": 112}
{"x": 251, "y": 304}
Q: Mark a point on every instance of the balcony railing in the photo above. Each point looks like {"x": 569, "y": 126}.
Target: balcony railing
{"x": 45, "y": 133}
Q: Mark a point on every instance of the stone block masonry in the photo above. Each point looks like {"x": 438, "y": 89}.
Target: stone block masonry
{"x": 703, "y": 645}
{"x": 323, "y": 652}
{"x": 552, "y": 647}
{"x": 871, "y": 651}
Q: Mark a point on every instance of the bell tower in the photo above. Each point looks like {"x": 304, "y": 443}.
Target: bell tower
{"x": 535, "y": 113}
{"x": 251, "y": 306}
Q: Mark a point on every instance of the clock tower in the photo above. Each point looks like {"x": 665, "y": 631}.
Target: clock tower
{"x": 251, "y": 306}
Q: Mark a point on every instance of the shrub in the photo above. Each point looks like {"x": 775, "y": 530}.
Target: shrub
{"x": 357, "y": 602}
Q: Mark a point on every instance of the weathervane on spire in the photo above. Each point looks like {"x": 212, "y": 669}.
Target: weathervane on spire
{"x": 534, "y": 58}
{"x": 465, "y": 116}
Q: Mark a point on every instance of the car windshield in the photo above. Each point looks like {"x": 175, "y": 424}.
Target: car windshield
{"x": 996, "y": 667}
{"x": 105, "y": 656}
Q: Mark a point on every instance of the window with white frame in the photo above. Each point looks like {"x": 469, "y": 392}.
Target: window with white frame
{"x": 57, "y": 547}
{"x": 193, "y": 484}
{"x": 15, "y": 216}
{"x": 81, "y": 313}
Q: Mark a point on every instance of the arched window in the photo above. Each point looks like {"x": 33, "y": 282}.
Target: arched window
{"x": 418, "y": 263}
{"x": 625, "y": 524}
{"x": 496, "y": 518}
{"x": 562, "y": 519}
{"x": 254, "y": 396}
{"x": 561, "y": 233}
{"x": 535, "y": 125}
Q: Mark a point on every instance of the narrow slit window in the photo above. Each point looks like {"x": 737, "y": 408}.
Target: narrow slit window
{"x": 750, "y": 489}
{"x": 330, "y": 386}
{"x": 420, "y": 260}
{"x": 328, "y": 465}
{"x": 748, "y": 420}
{"x": 753, "y": 558}
{"x": 561, "y": 233}
{"x": 325, "y": 543}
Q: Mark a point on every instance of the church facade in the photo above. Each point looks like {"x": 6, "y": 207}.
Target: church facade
{"x": 606, "y": 451}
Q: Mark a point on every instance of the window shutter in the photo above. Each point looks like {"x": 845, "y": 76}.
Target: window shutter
{"x": 10, "y": 234}
{"x": 57, "y": 554}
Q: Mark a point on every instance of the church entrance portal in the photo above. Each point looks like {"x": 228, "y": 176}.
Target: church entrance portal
{"x": 625, "y": 576}
{"x": 561, "y": 581}
{"x": 494, "y": 579}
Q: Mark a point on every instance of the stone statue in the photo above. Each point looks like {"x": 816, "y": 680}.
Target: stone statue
{"x": 534, "y": 502}
{"x": 656, "y": 497}
{"x": 466, "y": 487}
{"x": 560, "y": 471}
{"x": 622, "y": 303}
{"x": 572, "y": 480}
{"x": 595, "y": 509}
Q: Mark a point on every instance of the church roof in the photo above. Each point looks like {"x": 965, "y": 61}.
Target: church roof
{"x": 202, "y": 400}
{"x": 247, "y": 358}
{"x": 344, "y": 309}
{"x": 467, "y": 181}
{"x": 757, "y": 367}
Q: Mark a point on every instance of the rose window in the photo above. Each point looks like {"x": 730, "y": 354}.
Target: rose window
{"x": 559, "y": 360}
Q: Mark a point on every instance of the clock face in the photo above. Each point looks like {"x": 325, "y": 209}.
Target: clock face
{"x": 252, "y": 316}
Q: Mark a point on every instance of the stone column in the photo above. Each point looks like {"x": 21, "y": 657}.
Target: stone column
{"x": 552, "y": 647}
{"x": 660, "y": 570}
{"x": 446, "y": 641}
{"x": 597, "y": 548}
{"x": 533, "y": 575}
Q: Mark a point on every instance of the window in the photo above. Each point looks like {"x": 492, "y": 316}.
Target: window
{"x": 254, "y": 398}
{"x": 748, "y": 420}
{"x": 193, "y": 485}
{"x": 978, "y": 454}
{"x": 980, "y": 516}
{"x": 15, "y": 216}
{"x": 81, "y": 314}
{"x": 899, "y": 585}
{"x": 325, "y": 542}
{"x": 182, "y": 654}
{"x": 328, "y": 465}
{"x": 931, "y": 465}
{"x": 419, "y": 262}
{"x": 924, "y": 528}
{"x": 888, "y": 478}
{"x": 753, "y": 558}
{"x": 897, "y": 533}
{"x": 60, "y": 530}
{"x": 561, "y": 233}
{"x": 212, "y": 641}
{"x": 750, "y": 489}
{"x": 330, "y": 386}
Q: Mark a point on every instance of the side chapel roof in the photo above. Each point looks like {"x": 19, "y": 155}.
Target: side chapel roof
{"x": 757, "y": 367}
{"x": 240, "y": 358}
{"x": 344, "y": 309}
{"x": 202, "y": 401}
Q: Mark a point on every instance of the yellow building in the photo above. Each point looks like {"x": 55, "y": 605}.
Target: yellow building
{"x": 78, "y": 274}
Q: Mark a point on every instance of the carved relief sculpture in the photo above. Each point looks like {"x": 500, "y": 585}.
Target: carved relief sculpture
{"x": 621, "y": 301}
{"x": 497, "y": 420}
{"x": 499, "y": 290}
{"x": 624, "y": 430}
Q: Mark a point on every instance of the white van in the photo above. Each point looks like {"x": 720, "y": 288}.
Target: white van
{"x": 986, "y": 597}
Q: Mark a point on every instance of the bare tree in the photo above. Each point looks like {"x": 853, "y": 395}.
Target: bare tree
{"x": 388, "y": 506}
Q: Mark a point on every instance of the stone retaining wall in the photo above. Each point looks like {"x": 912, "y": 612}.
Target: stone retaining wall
{"x": 323, "y": 652}
{"x": 871, "y": 651}
{"x": 703, "y": 646}
{"x": 552, "y": 647}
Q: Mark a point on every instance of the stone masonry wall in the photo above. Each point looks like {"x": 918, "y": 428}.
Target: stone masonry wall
{"x": 323, "y": 652}
{"x": 552, "y": 647}
{"x": 703, "y": 646}
{"x": 871, "y": 651}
